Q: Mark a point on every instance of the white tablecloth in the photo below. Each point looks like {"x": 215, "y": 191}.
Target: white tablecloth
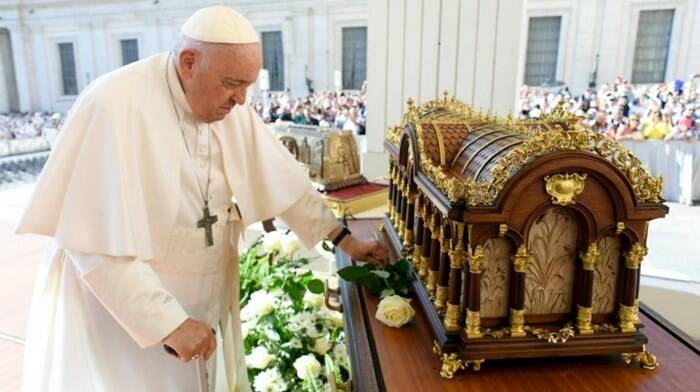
{"x": 677, "y": 161}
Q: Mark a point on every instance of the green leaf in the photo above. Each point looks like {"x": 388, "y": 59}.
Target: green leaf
{"x": 315, "y": 286}
{"x": 353, "y": 273}
{"x": 295, "y": 290}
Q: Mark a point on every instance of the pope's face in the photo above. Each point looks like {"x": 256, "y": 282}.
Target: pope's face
{"x": 218, "y": 81}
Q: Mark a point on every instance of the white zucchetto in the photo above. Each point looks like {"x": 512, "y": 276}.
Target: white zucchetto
{"x": 220, "y": 24}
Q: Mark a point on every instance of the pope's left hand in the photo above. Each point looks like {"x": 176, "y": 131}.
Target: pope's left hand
{"x": 372, "y": 251}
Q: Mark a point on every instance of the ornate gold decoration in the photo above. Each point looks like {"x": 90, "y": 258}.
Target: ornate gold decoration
{"x": 502, "y": 230}
{"x": 417, "y": 251}
{"x": 636, "y": 312}
{"x": 452, "y": 317}
{"x": 552, "y": 133}
{"x": 564, "y": 187}
{"x": 646, "y": 359}
{"x": 605, "y": 327}
{"x": 583, "y": 320}
{"x": 627, "y": 316}
{"x": 393, "y": 136}
{"x": 457, "y": 257}
{"x": 440, "y": 298}
{"x": 517, "y": 323}
{"x": 473, "y": 328}
{"x": 497, "y": 333}
{"x": 634, "y": 257}
{"x": 620, "y": 228}
{"x": 520, "y": 259}
{"x": 560, "y": 336}
{"x": 476, "y": 260}
{"x": 432, "y": 282}
{"x": 591, "y": 257}
{"x": 451, "y": 362}
{"x": 424, "y": 264}
{"x": 408, "y": 241}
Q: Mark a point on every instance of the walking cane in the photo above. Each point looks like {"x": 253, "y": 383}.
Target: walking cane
{"x": 202, "y": 382}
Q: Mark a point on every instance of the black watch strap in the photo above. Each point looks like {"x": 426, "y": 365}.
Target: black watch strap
{"x": 340, "y": 236}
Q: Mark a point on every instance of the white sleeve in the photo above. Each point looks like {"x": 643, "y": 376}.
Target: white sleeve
{"x": 132, "y": 293}
{"x": 310, "y": 218}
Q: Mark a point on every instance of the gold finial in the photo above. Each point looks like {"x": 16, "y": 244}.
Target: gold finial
{"x": 410, "y": 102}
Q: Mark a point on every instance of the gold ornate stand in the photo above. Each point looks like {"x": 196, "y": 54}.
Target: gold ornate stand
{"x": 452, "y": 363}
{"x": 646, "y": 359}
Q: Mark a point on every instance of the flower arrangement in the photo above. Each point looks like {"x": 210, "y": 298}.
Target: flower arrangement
{"x": 289, "y": 336}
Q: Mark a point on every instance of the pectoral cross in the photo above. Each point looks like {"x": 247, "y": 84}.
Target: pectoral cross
{"x": 206, "y": 222}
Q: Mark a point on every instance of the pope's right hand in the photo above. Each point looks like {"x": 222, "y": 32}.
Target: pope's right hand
{"x": 191, "y": 340}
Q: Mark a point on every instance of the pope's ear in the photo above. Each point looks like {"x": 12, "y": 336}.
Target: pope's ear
{"x": 186, "y": 61}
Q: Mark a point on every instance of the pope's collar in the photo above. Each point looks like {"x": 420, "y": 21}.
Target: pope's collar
{"x": 178, "y": 93}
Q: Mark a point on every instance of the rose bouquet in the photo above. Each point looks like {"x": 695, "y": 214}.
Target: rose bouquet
{"x": 289, "y": 336}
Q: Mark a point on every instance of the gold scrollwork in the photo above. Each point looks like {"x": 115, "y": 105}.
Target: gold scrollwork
{"x": 627, "y": 316}
{"x": 520, "y": 259}
{"x": 457, "y": 257}
{"x": 560, "y": 336}
{"x": 619, "y": 228}
{"x": 517, "y": 323}
{"x": 563, "y": 188}
{"x": 584, "y": 317}
{"x": 591, "y": 257}
{"x": 634, "y": 257}
{"x": 452, "y": 317}
{"x": 646, "y": 359}
{"x": 473, "y": 325}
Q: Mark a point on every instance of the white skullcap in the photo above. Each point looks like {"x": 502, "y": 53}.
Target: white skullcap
{"x": 219, "y": 24}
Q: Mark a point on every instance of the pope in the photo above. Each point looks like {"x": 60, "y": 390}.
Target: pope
{"x": 159, "y": 167}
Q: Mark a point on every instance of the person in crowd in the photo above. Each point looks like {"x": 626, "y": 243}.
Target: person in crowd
{"x": 654, "y": 127}
{"x": 630, "y": 130}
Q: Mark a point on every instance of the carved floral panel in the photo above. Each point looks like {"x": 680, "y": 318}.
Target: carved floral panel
{"x": 606, "y": 275}
{"x": 549, "y": 275}
{"x": 495, "y": 278}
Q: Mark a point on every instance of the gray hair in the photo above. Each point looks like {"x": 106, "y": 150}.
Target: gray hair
{"x": 203, "y": 49}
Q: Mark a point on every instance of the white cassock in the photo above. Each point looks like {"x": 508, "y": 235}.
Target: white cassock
{"x": 128, "y": 264}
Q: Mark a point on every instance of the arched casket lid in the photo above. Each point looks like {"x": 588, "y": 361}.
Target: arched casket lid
{"x": 470, "y": 155}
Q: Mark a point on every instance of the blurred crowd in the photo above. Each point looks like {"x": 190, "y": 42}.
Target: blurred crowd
{"x": 343, "y": 110}
{"x": 621, "y": 110}
{"x": 15, "y": 126}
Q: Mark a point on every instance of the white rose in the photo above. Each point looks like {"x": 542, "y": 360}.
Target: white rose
{"x": 262, "y": 302}
{"x": 246, "y": 327}
{"x": 340, "y": 353}
{"x": 322, "y": 345}
{"x": 272, "y": 241}
{"x": 307, "y": 367}
{"x": 269, "y": 380}
{"x": 313, "y": 300}
{"x": 395, "y": 311}
{"x": 289, "y": 243}
{"x": 259, "y": 358}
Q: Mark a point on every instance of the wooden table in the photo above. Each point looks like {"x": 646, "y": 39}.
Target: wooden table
{"x": 391, "y": 359}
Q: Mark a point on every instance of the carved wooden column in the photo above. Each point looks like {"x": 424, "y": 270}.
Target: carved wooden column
{"x": 418, "y": 238}
{"x": 427, "y": 242}
{"x": 434, "y": 260}
{"x": 630, "y": 277}
{"x": 392, "y": 192}
{"x": 410, "y": 218}
{"x": 457, "y": 257}
{"x": 584, "y": 314}
{"x": 443, "y": 270}
{"x": 473, "y": 321}
{"x": 517, "y": 292}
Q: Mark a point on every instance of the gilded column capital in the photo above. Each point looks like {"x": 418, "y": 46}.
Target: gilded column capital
{"x": 476, "y": 260}
{"x": 591, "y": 257}
{"x": 520, "y": 259}
{"x": 634, "y": 257}
{"x": 457, "y": 256}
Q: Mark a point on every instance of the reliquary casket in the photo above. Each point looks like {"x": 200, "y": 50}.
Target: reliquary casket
{"x": 330, "y": 156}
{"x": 526, "y": 237}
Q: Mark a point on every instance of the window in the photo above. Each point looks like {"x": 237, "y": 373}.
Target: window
{"x": 354, "y": 57}
{"x": 651, "y": 49}
{"x": 68, "y": 71}
{"x": 542, "y": 50}
{"x": 130, "y": 51}
{"x": 273, "y": 58}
